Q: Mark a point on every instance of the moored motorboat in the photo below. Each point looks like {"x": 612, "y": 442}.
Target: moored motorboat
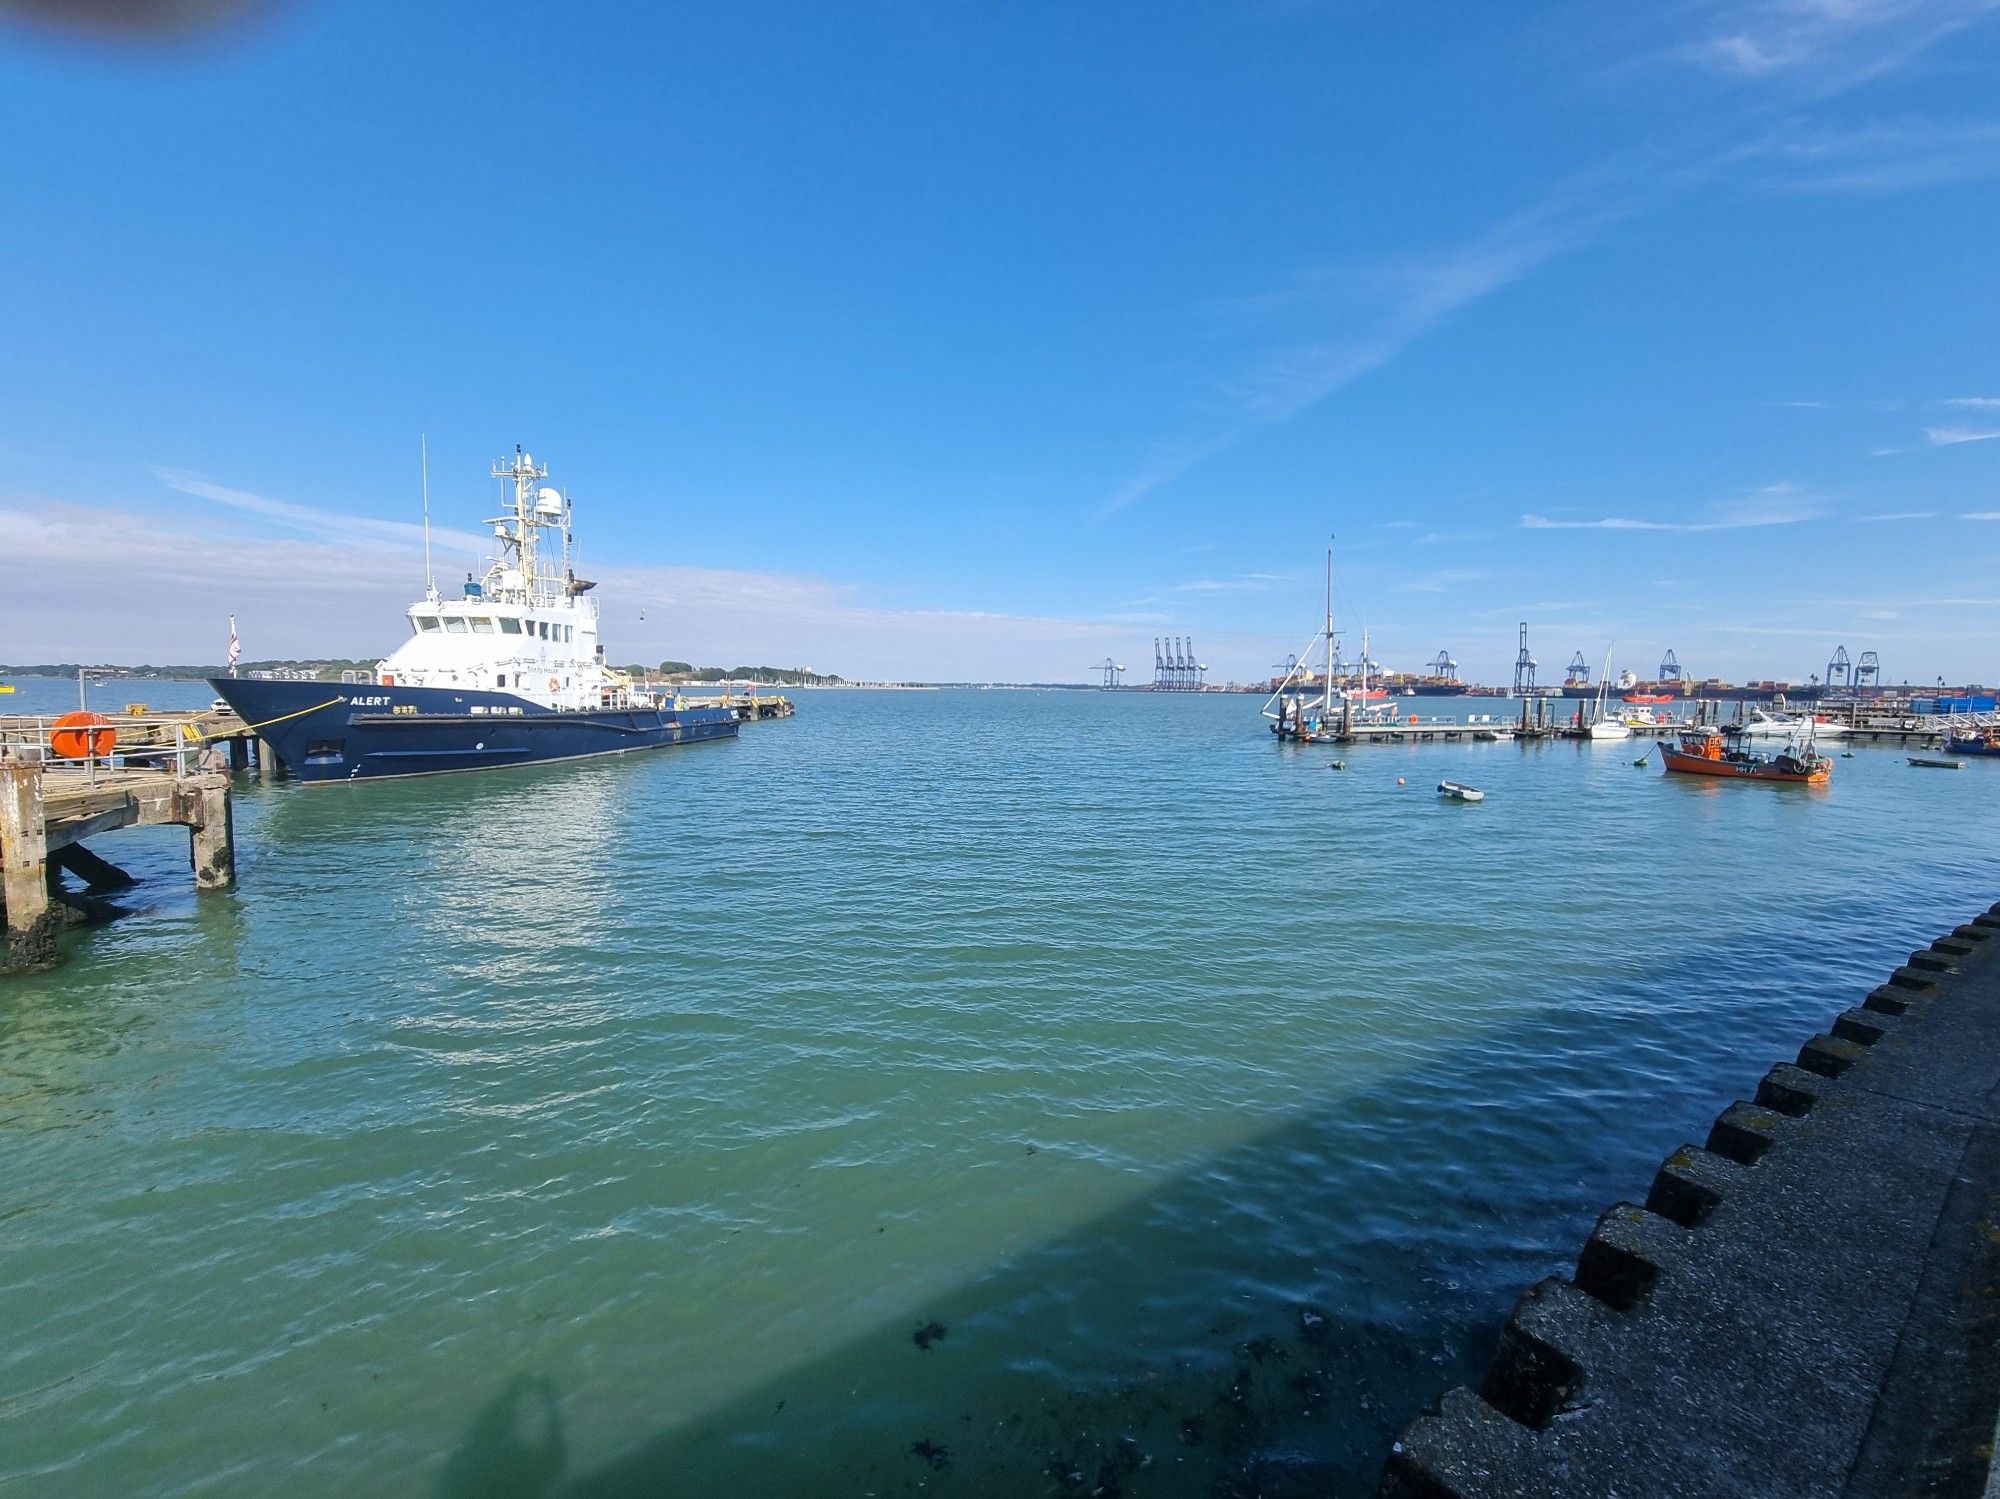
{"x": 1930, "y": 762}
{"x": 1457, "y": 792}
{"x": 1762, "y": 725}
{"x": 1701, "y": 752}
{"x": 510, "y": 673}
{"x": 1973, "y": 741}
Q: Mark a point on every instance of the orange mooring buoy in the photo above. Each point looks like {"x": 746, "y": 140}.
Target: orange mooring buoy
{"x": 80, "y": 734}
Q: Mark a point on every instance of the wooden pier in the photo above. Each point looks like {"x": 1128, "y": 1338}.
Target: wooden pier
{"x": 138, "y": 771}
{"x": 1536, "y": 721}
{"x": 748, "y": 708}
{"x": 1429, "y": 732}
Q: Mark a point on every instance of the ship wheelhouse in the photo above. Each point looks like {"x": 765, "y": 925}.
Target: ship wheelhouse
{"x": 525, "y": 628}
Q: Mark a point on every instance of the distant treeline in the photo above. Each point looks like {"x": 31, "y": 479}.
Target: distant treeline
{"x": 243, "y": 668}
{"x": 776, "y": 676}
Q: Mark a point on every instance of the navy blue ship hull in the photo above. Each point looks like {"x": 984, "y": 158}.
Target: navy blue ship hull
{"x": 334, "y": 731}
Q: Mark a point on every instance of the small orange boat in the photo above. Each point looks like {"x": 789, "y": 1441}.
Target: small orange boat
{"x": 1649, "y": 697}
{"x": 1701, "y": 753}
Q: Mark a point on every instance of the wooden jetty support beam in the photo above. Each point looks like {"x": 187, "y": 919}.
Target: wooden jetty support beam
{"x": 46, "y": 811}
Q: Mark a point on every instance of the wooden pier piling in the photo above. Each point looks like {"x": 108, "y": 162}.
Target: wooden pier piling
{"x": 48, "y": 809}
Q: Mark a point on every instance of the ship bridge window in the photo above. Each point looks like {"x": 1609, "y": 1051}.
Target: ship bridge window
{"x": 481, "y": 625}
{"x": 542, "y": 628}
{"x": 569, "y": 634}
{"x": 509, "y": 625}
{"x": 454, "y": 625}
{"x": 426, "y": 623}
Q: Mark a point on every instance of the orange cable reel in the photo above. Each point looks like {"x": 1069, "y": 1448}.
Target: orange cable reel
{"x": 80, "y": 735}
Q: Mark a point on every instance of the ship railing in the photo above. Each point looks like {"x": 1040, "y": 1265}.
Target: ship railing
{"x": 1959, "y": 723}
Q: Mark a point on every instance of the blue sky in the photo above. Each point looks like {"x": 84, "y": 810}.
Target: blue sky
{"x": 968, "y": 340}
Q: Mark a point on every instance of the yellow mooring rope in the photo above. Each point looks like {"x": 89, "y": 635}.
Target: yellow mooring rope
{"x": 253, "y": 727}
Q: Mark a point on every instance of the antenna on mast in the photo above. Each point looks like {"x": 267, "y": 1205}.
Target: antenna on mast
{"x": 430, "y": 578}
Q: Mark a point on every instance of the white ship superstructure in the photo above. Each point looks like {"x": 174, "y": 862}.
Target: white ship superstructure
{"x": 526, "y": 627}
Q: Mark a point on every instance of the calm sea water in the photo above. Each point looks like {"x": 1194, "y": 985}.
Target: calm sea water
{"x": 969, "y": 1092}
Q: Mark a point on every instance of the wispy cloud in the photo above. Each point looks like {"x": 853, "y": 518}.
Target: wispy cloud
{"x": 1878, "y": 158}
{"x": 310, "y": 520}
{"x": 1981, "y": 515}
{"x": 1445, "y": 581}
{"x": 1241, "y": 583}
{"x": 1826, "y": 45}
{"x": 1976, "y": 403}
{"x": 1773, "y": 505}
{"x": 1386, "y": 309}
{"x": 331, "y": 583}
{"x": 1376, "y": 312}
{"x": 1942, "y": 437}
{"x": 1896, "y": 515}
{"x": 1606, "y": 523}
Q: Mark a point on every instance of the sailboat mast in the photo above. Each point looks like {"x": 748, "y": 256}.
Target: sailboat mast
{"x": 1326, "y": 690}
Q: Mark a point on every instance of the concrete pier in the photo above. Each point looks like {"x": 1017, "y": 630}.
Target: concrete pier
{"x": 1805, "y": 1304}
{"x": 47, "y": 811}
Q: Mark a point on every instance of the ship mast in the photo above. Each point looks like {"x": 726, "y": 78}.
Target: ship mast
{"x": 517, "y": 531}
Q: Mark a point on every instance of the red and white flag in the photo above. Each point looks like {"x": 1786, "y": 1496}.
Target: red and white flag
{"x": 235, "y": 646}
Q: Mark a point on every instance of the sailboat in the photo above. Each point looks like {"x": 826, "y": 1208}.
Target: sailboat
{"x": 1289, "y": 706}
{"x": 1603, "y": 725}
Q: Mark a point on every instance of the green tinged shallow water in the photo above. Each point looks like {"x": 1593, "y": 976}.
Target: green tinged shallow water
{"x": 619, "y": 1128}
